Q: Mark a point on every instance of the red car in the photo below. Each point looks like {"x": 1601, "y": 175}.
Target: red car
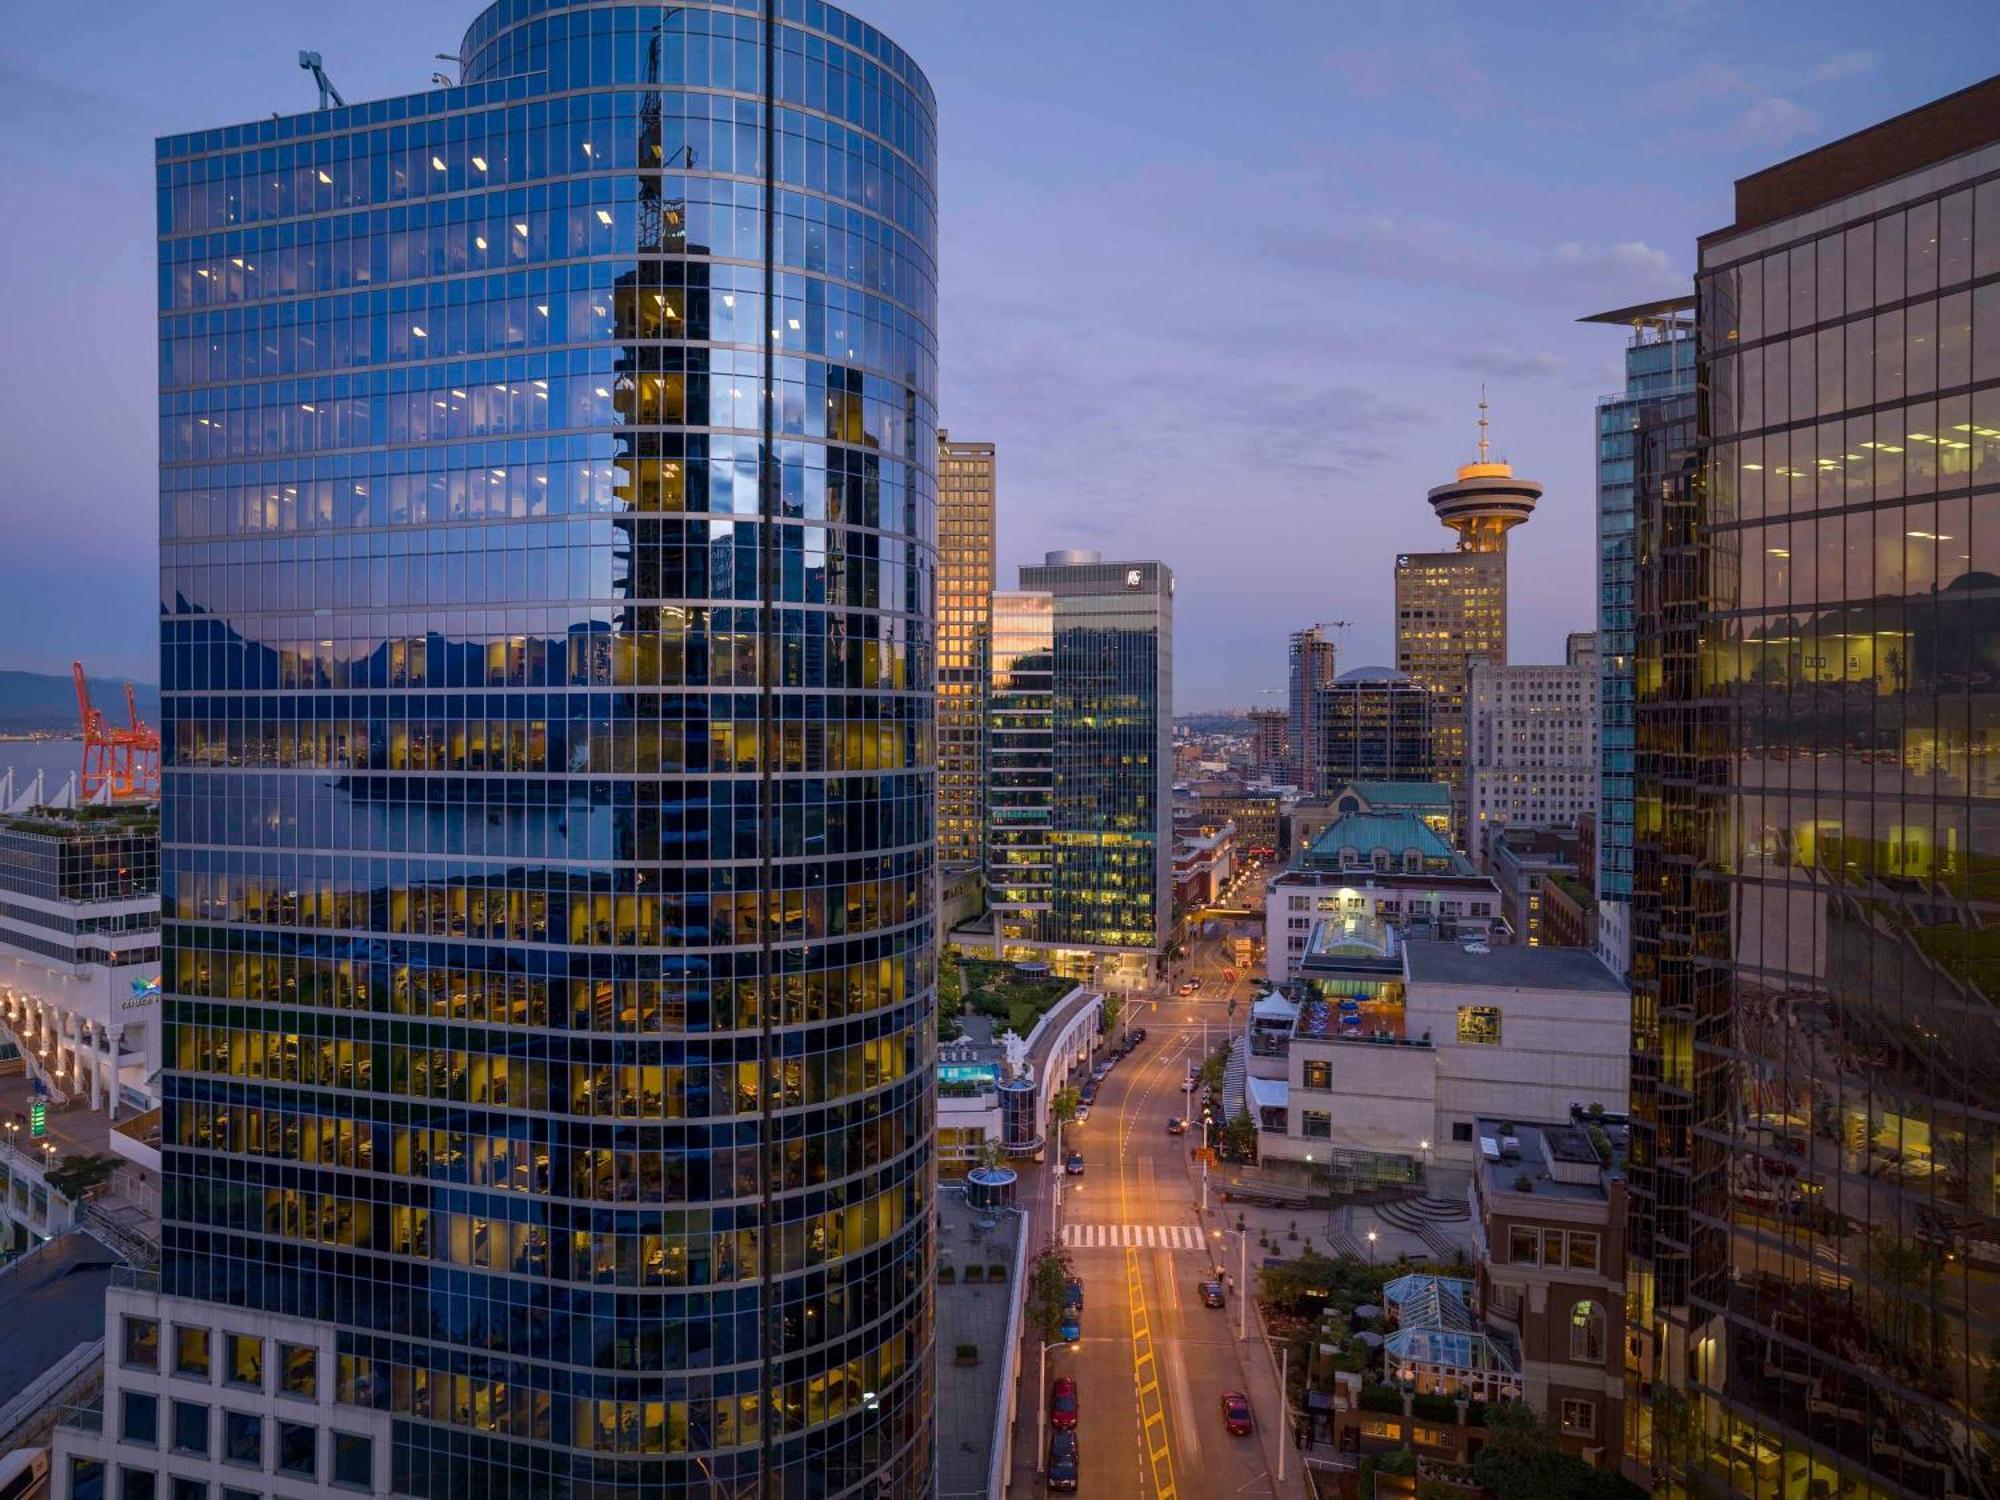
{"x": 1062, "y": 1404}
{"x": 1236, "y": 1413}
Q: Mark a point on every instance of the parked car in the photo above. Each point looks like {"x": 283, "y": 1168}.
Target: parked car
{"x": 1088, "y": 1095}
{"x": 1063, "y": 1465}
{"x": 1236, "y": 1413}
{"x": 1072, "y": 1325}
{"x": 1062, "y": 1404}
{"x": 1190, "y": 1083}
{"x": 1082, "y": 1114}
{"x": 1073, "y": 1164}
{"x": 1177, "y": 1126}
{"x": 1073, "y": 1297}
{"x": 1137, "y": 1036}
{"x": 1211, "y": 1294}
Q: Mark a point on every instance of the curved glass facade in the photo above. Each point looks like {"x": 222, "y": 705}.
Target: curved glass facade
{"x": 547, "y": 549}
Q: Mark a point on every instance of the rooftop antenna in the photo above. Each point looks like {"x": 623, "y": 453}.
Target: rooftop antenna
{"x": 1483, "y": 424}
{"x": 310, "y": 61}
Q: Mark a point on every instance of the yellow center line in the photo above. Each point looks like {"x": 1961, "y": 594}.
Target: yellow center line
{"x": 1145, "y": 1370}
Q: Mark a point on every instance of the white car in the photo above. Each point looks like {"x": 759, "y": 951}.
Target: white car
{"x": 1189, "y": 1084}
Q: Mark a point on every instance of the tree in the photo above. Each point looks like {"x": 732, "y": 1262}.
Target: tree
{"x": 1523, "y": 1460}
{"x": 1113, "y": 1010}
{"x": 1048, "y": 1290}
{"x": 1239, "y": 1137}
{"x": 1065, "y": 1105}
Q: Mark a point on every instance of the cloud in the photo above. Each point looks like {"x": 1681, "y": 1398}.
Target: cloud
{"x": 1771, "y": 122}
{"x": 1844, "y": 65}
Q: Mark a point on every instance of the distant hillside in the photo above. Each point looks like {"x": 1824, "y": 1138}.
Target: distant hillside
{"x": 32, "y": 701}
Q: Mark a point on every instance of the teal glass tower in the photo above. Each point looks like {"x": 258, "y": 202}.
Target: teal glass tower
{"x": 547, "y": 550}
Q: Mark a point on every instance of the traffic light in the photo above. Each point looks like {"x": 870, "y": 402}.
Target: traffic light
{"x": 38, "y": 1119}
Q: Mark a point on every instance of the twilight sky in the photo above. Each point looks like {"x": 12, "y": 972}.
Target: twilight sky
{"x": 1222, "y": 285}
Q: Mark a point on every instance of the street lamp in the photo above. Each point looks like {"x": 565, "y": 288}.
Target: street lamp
{"x": 1242, "y": 1279}
{"x": 1042, "y": 1406}
{"x": 1371, "y": 1247}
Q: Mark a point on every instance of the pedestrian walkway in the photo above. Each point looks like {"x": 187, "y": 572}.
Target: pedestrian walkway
{"x": 1131, "y": 1236}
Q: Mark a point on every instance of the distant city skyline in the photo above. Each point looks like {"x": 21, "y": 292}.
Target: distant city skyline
{"x": 1356, "y": 219}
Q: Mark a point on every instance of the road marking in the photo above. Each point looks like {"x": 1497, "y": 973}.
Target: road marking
{"x": 1146, "y": 1383}
{"x": 1132, "y": 1236}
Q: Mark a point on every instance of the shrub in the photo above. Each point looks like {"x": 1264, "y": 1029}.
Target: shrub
{"x": 1434, "y": 1408}
{"x": 1382, "y": 1398}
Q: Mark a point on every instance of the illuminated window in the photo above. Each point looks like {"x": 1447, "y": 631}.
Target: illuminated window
{"x": 1586, "y": 1333}
{"x": 1479, "y": 1024}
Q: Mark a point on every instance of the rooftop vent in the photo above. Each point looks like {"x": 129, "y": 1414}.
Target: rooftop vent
{"x": 1476, "y": 946}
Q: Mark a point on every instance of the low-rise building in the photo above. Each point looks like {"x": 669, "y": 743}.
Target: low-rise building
{"x": 1399, "y": 1047}
{"x": 1569, "y": 915}
{"x": 1203, "y": 863}
{"x": 1519, "y": 859}
{"x": 80, "y": 950}
{"x": 1453, "y": 904}
{"x": 1549, "y": 1214}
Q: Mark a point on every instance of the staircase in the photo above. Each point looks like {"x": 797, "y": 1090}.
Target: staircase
{"x": 1423, "y": 1218}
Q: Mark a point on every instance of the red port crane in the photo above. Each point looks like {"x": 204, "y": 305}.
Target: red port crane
{"x": 126, "y": 760}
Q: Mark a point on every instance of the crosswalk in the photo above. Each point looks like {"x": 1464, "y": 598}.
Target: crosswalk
{"x": 1131, "y": 1236}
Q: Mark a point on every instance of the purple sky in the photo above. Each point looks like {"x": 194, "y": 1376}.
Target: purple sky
{"x": 1223, "y": 286}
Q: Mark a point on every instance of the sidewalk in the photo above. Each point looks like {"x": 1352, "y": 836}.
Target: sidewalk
{"x": 1257, "y": 1359}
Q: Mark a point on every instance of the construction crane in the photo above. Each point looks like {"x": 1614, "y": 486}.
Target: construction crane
{"x": 310, "y": 61}
{"x": 123, "y": 762}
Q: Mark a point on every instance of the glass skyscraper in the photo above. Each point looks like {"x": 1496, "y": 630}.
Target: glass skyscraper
{"x": 1816, "y": 1105}
{"x": 548, "y": 535}
{"x": 1659, "y": 384}
{"x": 1108, "y": 901}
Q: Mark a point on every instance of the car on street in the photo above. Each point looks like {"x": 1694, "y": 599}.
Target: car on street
{"x": 1176, "y": 1126}
{"x": 1063, "y": 1467}
{"x": 1082, "y": 1114}
{"x": 1190, "y": 1083}
{"x": 1073, "y": 1297}
{"x": 1073, "y": 1164}
{"x": 1072, "y": 1325}
{"x": 1138, "y": 1036}
{"x": 1236, "y": 1413}
{"x": 1188, "y": 987}
{"x": 1089, "y": 1094}
{"x": 1211, "y": 1294}
{"x": 1062, "y": 1404}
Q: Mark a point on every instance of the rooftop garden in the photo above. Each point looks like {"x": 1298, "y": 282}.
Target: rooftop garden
{"x": 1011, "y": 999}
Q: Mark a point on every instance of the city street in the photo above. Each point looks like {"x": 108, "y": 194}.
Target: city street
{"x": 1153, "y": 1362}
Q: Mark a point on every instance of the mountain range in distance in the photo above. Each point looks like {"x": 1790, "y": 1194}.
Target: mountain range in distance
{"x": 45, "y": 702}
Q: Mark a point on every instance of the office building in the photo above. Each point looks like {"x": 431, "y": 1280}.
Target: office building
{"x": 1531, "y": 746}
{"x": 965, "y": 489}
{"x": 547, "y": 864}
{"x": 1374, "y": 724}
{"x": 1312, "y": 662}
{"x": 1108, "y": 904}
{"x": 1451, "y": 607}
{"x": 1815, "y": 1195}
{"x": 1270, "y": 744}
{"x": 1659, "y": 384}
{"x": 1020, "y": 793}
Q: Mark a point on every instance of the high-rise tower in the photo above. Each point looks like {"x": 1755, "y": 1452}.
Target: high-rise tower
{"x": 965, "y": 616}
{"x": 1312, "y": 662}
{"x": 1451, "y": 607}
{"x": 547, "y": 548}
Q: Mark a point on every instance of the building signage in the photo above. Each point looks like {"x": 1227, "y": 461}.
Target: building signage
{"x": 145, "y": 992}
{"x": 1134, "y": 578}
{"x": 38, "y": 1119}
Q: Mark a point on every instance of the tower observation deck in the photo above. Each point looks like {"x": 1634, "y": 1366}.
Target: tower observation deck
{"x": 1487, "y": 499}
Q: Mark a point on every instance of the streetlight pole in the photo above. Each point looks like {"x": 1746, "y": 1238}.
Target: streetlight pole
{"x": 1242, "y": 1280}
{"x": 1284, "y": 1402}
{"x": 1371, "y": 1247}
